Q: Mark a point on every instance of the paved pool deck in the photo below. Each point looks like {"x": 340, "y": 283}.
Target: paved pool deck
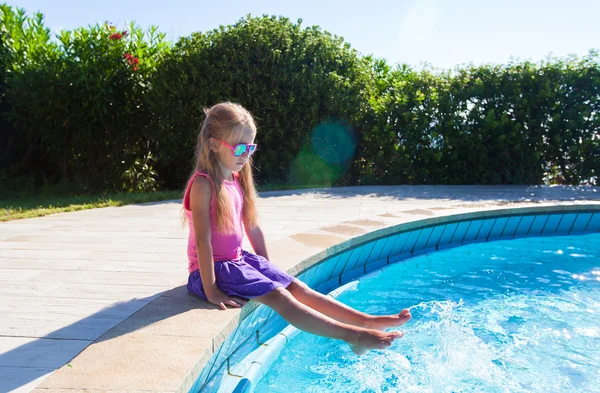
{"x": 95, "y": 300}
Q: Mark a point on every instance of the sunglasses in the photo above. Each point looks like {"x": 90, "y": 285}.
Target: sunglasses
{"x": 241, "y": 148}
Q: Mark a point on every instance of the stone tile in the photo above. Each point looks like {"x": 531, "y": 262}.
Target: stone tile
{"x": 39, "y": 353}
{"x": 21, "y": 379}
{"x": 133, "y": 361}
{"x": 317, "y": 240}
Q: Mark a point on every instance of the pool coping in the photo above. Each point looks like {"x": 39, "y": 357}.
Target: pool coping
{"x": 168, "y": 341}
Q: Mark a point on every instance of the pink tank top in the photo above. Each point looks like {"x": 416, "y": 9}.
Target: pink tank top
{"x": 225, "y": 246}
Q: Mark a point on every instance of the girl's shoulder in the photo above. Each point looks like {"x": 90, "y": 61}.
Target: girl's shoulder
{"x": 201, "y": 186}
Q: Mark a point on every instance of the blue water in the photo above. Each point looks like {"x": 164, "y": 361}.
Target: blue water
{"x": 509, "y": 316}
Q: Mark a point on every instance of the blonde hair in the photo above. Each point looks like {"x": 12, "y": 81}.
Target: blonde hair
{"x": 219, "y": 123}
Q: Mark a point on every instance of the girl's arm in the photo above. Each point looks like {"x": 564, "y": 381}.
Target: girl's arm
{"x": 200, "y": 195}
{"x": 257, "y": 240}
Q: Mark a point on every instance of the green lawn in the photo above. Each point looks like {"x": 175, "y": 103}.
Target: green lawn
{"x": 28, "y": 207}
{"x": 12, "y": 209}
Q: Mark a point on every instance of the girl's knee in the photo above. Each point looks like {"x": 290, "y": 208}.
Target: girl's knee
{"x": 297, "y": 285}
{"x": 277, "y": 294}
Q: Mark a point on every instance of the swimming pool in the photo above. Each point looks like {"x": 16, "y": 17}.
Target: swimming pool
{"x": 245, "y": 354}
{"x": 509, "y": 316}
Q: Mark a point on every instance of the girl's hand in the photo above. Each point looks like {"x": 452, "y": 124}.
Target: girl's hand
{"x": 220, "y": 299}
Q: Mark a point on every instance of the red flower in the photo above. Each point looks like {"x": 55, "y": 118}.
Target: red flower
{"x": 125, "y": 33}
{"x": 134, "y": 68}
{"x": 116, "y": 36}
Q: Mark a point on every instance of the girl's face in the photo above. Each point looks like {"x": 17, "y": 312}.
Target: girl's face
{"x": 238, "y": 135}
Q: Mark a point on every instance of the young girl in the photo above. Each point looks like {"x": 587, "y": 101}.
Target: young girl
{"x": 220, "y": 203}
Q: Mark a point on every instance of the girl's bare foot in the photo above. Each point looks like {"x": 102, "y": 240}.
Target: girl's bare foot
{"x": 385, "y": 321}
{"x": 364, "y": 340}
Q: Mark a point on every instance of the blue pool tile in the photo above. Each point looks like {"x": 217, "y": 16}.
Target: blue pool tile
{"x": 538, "y": 225}
{"x": 358, "y": 258}
{"x": 498, "y": 228}
{"x": 422, "y": 240}
{"x": 511, "y": 226}
{"x": 309, "y": 277}
{"x": 340, "y": 264}
{"x": 350, "y": 275}
{"x": 326, "y": 270}
{"x": 410, "y": 241}
{"x": 473, "y": 231}
{"x": 435, "y": 236}
{"x": 486, "y": 228}
{"x": 275, "y": 325}
{"x": 388, "y": 246}
{"x": 566, "y": 223}
{"x": 399, "y": 243}
{"x": 552, "y": 224}
{"x": 524, "y": 226}
{"x": 594, "y": 224}
{"x": 581, "y": 222}
{"x": 323, "y": 271}
{"x": 375, "y": 265}
{"x": 447, "y": 235}
{"x": 327, "y": 286}
{"x": 215, "y": 379}
{"x": 376, "y": 251}
{"x": 262, "y": 315}
{"x": 243, "y": 350}
{"x": 460, "y": 232}
{"x": 245, "y": 330}
{"x": 217, "y": 360}
{"x": 202, "y": 378}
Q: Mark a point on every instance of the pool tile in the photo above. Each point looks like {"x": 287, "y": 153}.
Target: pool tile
{"x": 473, "y": 231}
{"x": 326, "y": 271}
{"x": 376, "y": 251}
{"x": 447, "y": 235}
{"x": 498, "y": 228}
{"x": 216, "y": 361}
{"x": 350, "y": 275}
{"x": 327, "y": 286}
{"x": 434, "y": 238}
{"x": 422, "y": 240}
{"x": 388, "y": 246}
{"x": 486, "y": 228}
{"x": 460, "y": 232}
{"x": 323, "y": 271}
{"x": 410, "y": 241}
{"x": 524, "y": 226}
{"x": 594, "y": 224}
{"x": 375, "y": 265}
{"x": 552, "y": 224}
{"x": 340, "y": 264}
{"x": 359, "y": 258}
{"x": 566, "y": 223}
{"x": 308, "y": 277}
{"x": 581, "y": 223}
{"x": 394, "y": 245}
{"x": 511, "y": 226}
{"x": 538, "y": 225}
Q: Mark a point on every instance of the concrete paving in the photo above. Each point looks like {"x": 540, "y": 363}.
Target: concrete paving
{"x": 67, "y": 279}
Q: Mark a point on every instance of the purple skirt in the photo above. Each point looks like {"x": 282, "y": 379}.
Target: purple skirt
{"x": 250, "y": 277}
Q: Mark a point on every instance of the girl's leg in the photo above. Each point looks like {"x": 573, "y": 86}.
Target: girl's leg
{"x": 305, "y": 318}
{"x": 341, "y": 312}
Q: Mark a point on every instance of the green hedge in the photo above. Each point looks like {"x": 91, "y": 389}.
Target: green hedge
{"x": 98, "y": 109}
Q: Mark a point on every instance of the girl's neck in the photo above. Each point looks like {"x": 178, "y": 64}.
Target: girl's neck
{"x": 226, "y": 173}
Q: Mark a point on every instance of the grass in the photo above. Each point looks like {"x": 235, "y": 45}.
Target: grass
{"x": 43, "y": 205}
{"x": 12, "y": 209}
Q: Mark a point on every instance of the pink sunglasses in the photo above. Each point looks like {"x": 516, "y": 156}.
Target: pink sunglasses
{"x": 241, "y": 148}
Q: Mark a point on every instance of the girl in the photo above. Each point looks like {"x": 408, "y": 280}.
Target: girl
{"x": 219, "y": 202}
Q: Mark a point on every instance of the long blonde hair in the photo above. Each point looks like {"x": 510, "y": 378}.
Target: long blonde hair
{"x": 219, "y": 123}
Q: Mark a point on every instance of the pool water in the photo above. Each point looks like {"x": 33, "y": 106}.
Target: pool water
{"x": 508, "y": 316}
